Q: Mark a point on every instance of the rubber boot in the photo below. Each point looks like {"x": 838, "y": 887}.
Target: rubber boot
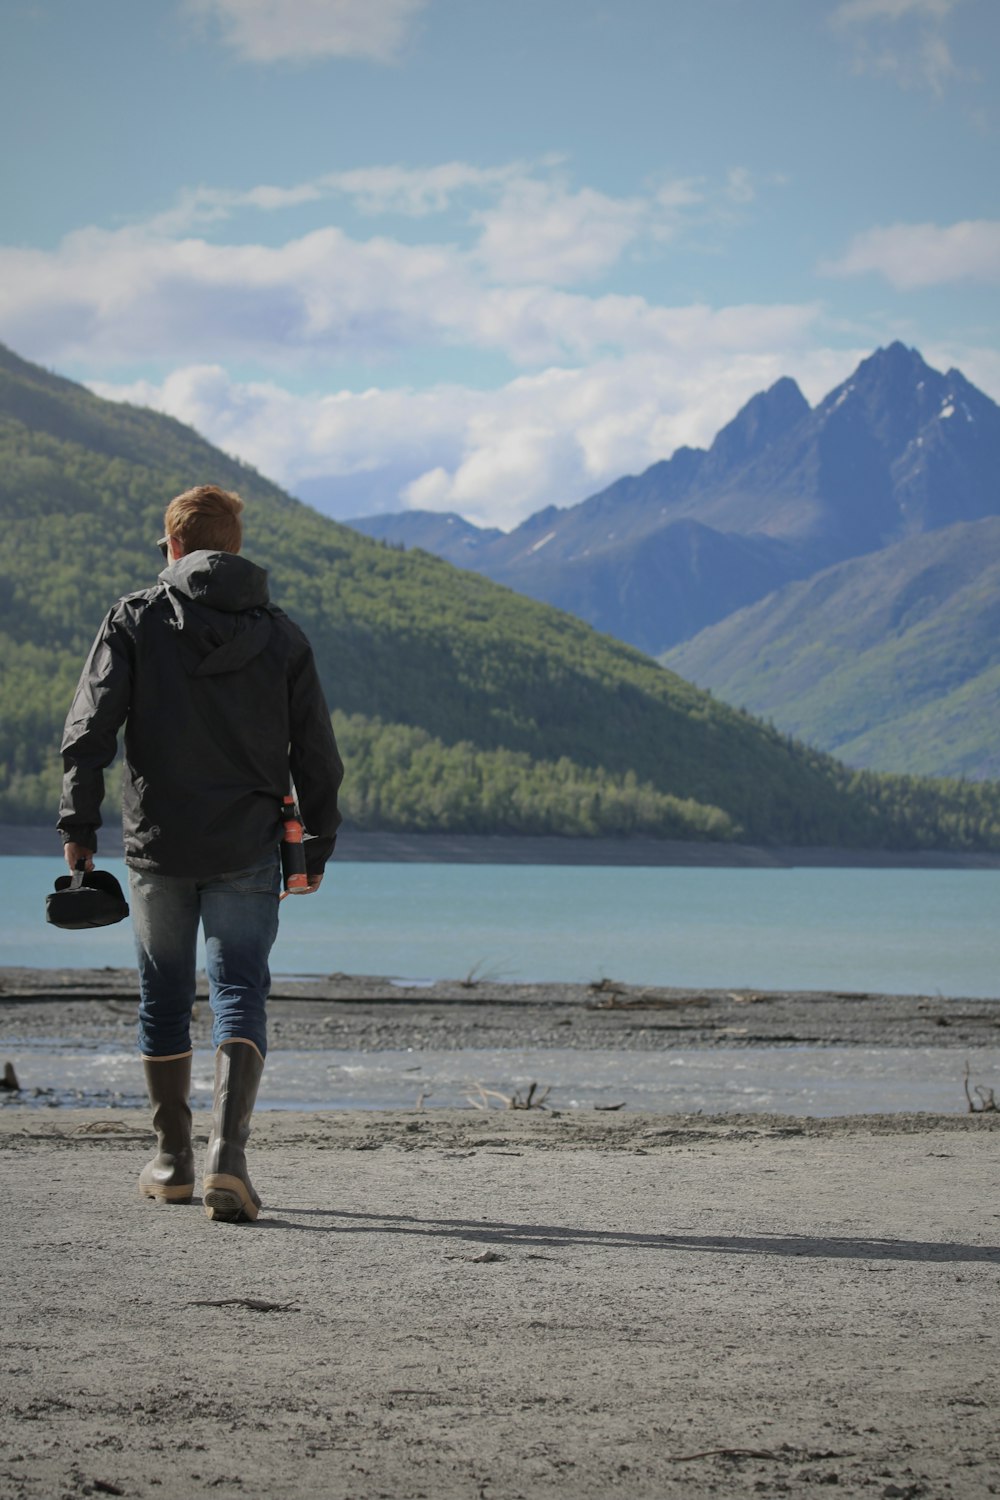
{"x": 228, "y": 1191}
{"x": 169, "y": 1177}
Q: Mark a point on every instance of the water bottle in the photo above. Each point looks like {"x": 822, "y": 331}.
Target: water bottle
{"x": 293, "y": 856}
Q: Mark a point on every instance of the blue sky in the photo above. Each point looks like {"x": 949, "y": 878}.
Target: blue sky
{"x": 485, "y": 257}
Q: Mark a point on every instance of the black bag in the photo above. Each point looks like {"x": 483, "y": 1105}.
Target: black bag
{"x": 86, "y": 899}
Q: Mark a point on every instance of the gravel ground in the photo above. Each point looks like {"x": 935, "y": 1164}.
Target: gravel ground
{"x": 373, "y": 1013}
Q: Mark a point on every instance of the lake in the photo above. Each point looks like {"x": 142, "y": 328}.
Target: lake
{"x": 887, "y": 930}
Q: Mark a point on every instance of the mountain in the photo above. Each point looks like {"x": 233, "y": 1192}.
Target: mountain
{"x": 461, "y": 706}
{"x": 785, "y": 490}
{"x": 440, "y": 532}
{"x": 896, "y": 449}
{"x": 673, "y": 581}
{"x": 889, "y": 660}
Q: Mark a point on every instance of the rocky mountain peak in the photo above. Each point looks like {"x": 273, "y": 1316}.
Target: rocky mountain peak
{"x": 890, "y": 396}
{"x": 764, "y": 419}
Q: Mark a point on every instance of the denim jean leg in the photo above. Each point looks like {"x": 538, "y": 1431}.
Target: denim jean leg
{"x": 239, "y": 912}
{"x": 165, "y": 924}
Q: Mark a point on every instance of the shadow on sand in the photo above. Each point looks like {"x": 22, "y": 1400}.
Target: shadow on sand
{"x": 554, "y": 1236}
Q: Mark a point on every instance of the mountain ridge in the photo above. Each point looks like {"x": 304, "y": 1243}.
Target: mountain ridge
{"x": 784, "y": 493}
{"x": 874, "y": 461}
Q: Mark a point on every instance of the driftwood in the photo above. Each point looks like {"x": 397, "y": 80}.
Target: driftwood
{"x": 785, "y": 1452}
{"x": 987, "y": 1098}
{"x": 253, "y": 1304}
{"x": 684, "y": 1458}
{"x": 509, "y": 1101}
{"x": 617, "y": 996}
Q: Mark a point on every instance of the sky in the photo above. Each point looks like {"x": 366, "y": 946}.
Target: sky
{"x": 473, "y": 256}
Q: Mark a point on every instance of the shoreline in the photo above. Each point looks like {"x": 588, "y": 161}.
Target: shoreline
{"x": 374, "y": 1043}
{"x": 380, "y": 1012}
{"x": 28, "y": 840}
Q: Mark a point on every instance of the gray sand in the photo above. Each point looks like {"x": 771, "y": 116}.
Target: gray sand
{"x": 473, "y": 1306}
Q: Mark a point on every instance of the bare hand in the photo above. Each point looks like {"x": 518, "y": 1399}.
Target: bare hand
{"x": 76, "y": 852}
{"x": 315, "y": 881}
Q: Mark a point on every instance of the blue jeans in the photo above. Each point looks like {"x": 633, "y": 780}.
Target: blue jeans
{"x": 239, "y": 912}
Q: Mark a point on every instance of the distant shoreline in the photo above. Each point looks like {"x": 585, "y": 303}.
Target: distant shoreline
{"x": 497, "y": 849}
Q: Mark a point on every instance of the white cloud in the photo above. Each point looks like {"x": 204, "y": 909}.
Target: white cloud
{"x": 852, "y": 12}
{"x": 422, "y": 190}
{"x": 680, "y": 192}
{"x": 410, "y": 191}
{"x": 740, "y": 185}
{"x": 161, "y": 291}
{"x": 267, "y": 31}
{"x": 978, "y": 364}
{"x": 112, "y": 297}
{"x": 914, "y": 53}
{"x": 919, "y": 255}
{"x": 927, "y": 63}
{"x": 611, "y": 382}
{"x": 206, "y": 205}
{"x": 495, "y": 456}
{"x": 539, "y": 232}
{"x": 534, "y": 229}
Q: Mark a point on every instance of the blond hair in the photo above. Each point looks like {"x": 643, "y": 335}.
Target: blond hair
{"x": 206, "y": 518}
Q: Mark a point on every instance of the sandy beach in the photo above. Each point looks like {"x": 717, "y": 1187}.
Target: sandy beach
{"x": 490, "y": 1306}
{"x": 494, "y": 1304}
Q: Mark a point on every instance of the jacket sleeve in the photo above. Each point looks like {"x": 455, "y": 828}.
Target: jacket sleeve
{"x": 317, "y": 769}
{"x": 90, "y": 738}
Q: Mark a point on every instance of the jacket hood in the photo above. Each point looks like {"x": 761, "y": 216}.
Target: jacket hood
{"x": 220, "y": 610}
{"x": 222, "y": 580}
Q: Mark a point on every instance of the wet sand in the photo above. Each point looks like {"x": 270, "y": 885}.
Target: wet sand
{"x": 507, "y": 1304}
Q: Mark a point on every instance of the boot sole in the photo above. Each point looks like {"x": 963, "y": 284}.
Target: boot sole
{"x": 227, "y": 1199}
{"x": 168, "y": 1194}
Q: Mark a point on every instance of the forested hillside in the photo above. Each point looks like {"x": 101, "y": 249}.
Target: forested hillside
{"x": 464, "y": 706}
{"x": 891, "y": 659}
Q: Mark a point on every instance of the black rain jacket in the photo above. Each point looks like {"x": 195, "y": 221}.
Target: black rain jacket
{"x": 220, "y": 699}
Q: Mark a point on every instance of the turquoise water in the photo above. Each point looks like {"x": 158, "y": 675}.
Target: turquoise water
{"x": 894, "y": 931}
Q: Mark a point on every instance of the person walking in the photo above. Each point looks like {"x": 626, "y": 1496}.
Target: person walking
{"x": 222, "y": 707}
